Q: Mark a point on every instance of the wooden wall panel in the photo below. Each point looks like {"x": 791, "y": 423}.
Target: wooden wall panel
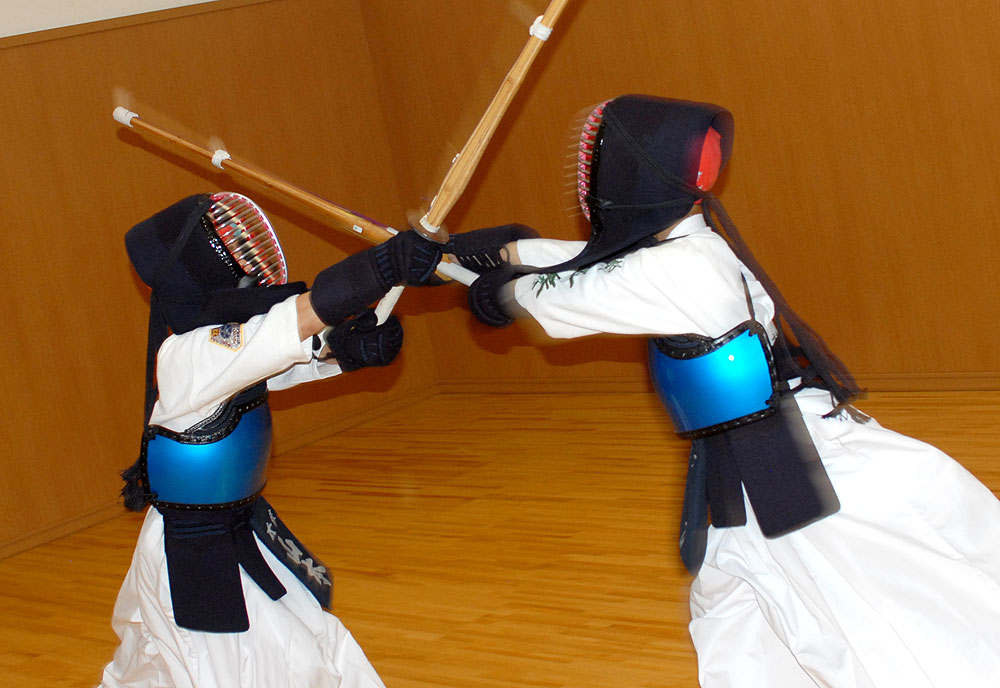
{"x": 864, "y": 173}
{"x": 287, "y": 86}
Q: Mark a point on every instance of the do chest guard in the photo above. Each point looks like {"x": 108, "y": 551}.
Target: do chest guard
{"x": 218, "y": 464}
{"x": 711, "y": 385}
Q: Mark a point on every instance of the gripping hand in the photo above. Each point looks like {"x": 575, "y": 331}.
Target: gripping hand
{"x": 353, "y": 284}
{"x": 361, "y": 342}
{"x": 407, "y": 258}
{"x": 485, "y": 300}
{"x": 482, "y": 249}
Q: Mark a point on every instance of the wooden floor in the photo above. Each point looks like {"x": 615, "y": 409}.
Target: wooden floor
{"x": 477, "y": 541}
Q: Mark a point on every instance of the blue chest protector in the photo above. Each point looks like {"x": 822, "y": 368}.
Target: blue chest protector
{"x": 218, "y": 463}
{"x": 711, "y": 385}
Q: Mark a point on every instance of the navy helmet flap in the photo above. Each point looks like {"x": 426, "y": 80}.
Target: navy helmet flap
{"x": 169, "y": 255}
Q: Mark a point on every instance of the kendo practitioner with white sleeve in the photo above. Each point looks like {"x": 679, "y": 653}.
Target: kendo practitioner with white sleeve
{"x": 220, "y": 594}
{"x": 827, "y": 550}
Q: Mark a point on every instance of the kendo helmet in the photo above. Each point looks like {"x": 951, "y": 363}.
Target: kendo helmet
{"x": 202, "y": 253}
{"x": 643, "y": 162}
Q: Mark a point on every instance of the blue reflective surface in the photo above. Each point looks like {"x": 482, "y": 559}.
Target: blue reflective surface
{"x": 731, "y": 382}
{"x": 225, "y": 471}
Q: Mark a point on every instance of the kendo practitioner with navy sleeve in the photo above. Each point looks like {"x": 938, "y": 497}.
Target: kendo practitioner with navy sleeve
{"x": 826, "y": 549}
{"x": 220, "y": 594}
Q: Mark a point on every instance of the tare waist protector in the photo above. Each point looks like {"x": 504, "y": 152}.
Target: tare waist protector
{"x": 221, "y": 462}
{"x": 710, "y": 385}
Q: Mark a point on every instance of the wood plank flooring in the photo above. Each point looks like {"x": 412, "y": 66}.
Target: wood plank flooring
{"x": 477, "y": 541}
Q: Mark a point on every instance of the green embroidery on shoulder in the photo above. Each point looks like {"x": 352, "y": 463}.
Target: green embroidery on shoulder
{"x": 543, "y": 282}
{"x": 547, "y": 281}
{"x": 572, "y": 276}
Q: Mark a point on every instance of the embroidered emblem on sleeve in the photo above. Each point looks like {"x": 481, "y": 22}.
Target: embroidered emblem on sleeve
{"x": 550, "y": 280}
{"x": 230, "y": 336}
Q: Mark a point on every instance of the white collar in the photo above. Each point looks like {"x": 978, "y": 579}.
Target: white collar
{"x": 689, "y": 225}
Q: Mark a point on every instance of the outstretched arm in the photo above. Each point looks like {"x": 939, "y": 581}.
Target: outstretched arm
{"x": 309, "y": 322}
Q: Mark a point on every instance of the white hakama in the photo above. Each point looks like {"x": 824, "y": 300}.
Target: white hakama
{"x": 901, "y": 587}
{"x": 292, "y": 642}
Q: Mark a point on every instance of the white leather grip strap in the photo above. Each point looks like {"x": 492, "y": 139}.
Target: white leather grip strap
{"x": 540, "y": 30}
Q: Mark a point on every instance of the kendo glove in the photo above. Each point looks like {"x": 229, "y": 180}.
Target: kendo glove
{"x": 408, "y": 258}
{"x": 359, "y": 280}
{"x": 362, "y": 342}
{"x": 485, "y": 299}
{"x": 480, "y": 249}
